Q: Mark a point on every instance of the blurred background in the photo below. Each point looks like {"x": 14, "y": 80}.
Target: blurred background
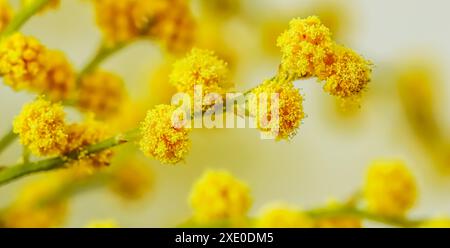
{"x": 404, "y": 114}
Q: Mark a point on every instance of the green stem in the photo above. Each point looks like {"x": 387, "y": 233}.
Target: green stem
{"x": 359, "y": 213}
{"x": 6, "y": 140}
{"x": 11, "y": 173}
{"x": 23, "y": 16}
{"x": 103, "y": 52}
{"x": 25, "y": 155}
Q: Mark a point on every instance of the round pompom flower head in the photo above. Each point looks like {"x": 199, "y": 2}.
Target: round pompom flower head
{"x": 304, "y": 41}
{"x": 277, "y": 107}
{"x": 41, "y": 127}
{"x": 200, "y": 68}
{"x": 390, "y": 189}
{"x": 219, "y": 196}
{"x": 20, "y": 61}
{"x": 162, "y": 137}
{"x": 346, "y": 73}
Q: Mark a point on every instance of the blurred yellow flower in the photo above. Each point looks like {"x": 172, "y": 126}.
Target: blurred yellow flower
{"x": 106, "y": 223}
{"x": 161, "y": 138}
{"x": 217, "y": 196}
{"x": 27, "y": 65}
{"x": 122, "y": 20}
{"x": 290, "y": 108}
{"x": 35, "y": 206}
{"x": 20, "y": 60}
{"x": 284, "y": 216}
{"x": 132, "y": 180}
{"x": 6, "y": 14}
{"x": 390, "y": 189}
{"x": 102, "y": 93}
{"x": 41, "y": 127}
{"x": 200, "y": 68}
{"x": 57, "y": 79}
{"x": 173, "y": 25}
{"x": 168, "y": 21}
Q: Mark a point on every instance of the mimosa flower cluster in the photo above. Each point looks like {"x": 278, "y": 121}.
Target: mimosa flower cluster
{"x": 389, "y": 192}
{"x": 42, "y": 128}
{"x": 52, "y": 142}
{"x": 309, "y": 51}
{"x": 168, "y": 21}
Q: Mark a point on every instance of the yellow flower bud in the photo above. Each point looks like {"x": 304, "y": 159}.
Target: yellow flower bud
{"x": 200, "y": 68}
{"x": 290, "y": 108}
{"x": 41, "y": 127}
{"x": 218, "y": 196}
{"x": 161, "y": 139}
{"x": 301, "y": 44}
{"x": 132, "y": 180}
{"x": 390, "y": 189}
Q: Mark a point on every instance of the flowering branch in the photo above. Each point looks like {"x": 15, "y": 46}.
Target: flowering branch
{"x": 103, "y": 52}
{"x": 349, "y": 211}
{"x": 24, "y": 169}
{"x": 23, "y": 16}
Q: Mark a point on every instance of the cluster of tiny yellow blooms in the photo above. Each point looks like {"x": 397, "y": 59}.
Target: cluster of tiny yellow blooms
{"x": 27, "y": 64}
{"x": 33, "y": 206}
{"x": 200, "y": 68}
{"x": 132, "y": 180}
{"x": 173, "y": 25}
{"x": 41, "y": 127}
{"x": 218, "y": 196}
{"x": 309, "y": 51}
{"x": 107, "y": 223}
{"x": 161, "y": 139}
{"x": 390, "y": 189}
{"x": 101, "y": 92}
{"x": 168, "y": 21}
{"x": 283, "y": 216}
{"x": 6, "y": 14}
{"x": 290, "y": 108}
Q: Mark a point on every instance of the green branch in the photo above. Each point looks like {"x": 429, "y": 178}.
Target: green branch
{"x": 346, "y": 211}
{"x": 103, "y": 52}
{"x": 23, "y": 16}
{"x": 11, "y": 173}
